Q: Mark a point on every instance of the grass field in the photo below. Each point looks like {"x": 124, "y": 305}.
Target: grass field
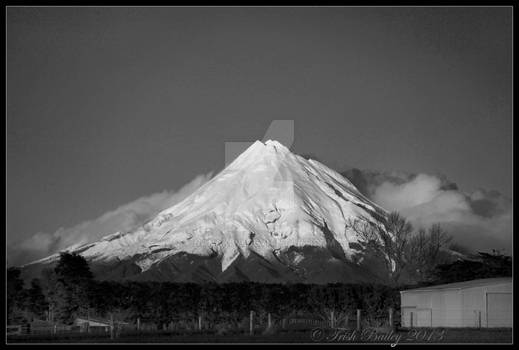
{"x": 302, "y": 336}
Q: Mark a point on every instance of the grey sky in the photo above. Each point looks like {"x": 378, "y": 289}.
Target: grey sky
{"x": 105, "y": 105}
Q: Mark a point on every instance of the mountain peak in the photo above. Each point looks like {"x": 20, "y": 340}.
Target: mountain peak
{"x": 270, "y": 153}
{"x": 266, "y": 202}
{"x": 277, "y": 145}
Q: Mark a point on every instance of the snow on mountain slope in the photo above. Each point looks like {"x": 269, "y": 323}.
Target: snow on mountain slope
{"x": 265, "y": 202}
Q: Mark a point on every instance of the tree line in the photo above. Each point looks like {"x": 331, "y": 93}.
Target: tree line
{"x": 69, "y": 291}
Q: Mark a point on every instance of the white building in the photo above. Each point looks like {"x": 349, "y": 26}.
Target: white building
{"x": 476, "y": 303}
{"x": 88, "y": 323}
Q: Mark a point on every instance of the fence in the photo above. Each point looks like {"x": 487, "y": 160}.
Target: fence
{"x": 14, "y": 330}
{"x": 252, "y": 324}
{"x": 353, "y": 319}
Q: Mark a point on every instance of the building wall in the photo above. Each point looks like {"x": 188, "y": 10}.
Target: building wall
{"x": 503, "y": 309}
{"x": 459, "y": 308}
{"x": 446, "y": 308}
{"x": 473, "y": 304}
{"x": 432, "y": 308}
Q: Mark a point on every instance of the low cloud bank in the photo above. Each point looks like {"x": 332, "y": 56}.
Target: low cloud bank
{"x": 480, "y": 220}
{"x": 124, "y": 218}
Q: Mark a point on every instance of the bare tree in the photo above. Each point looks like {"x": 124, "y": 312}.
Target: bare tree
{"x": 387, "y": 241}
{"x": 425, "y": 251}
{"x": 416, "y": 253}
{"x": 400, "y": 248}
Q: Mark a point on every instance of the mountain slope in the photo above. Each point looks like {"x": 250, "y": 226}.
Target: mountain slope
{"x": 270, "y": 215}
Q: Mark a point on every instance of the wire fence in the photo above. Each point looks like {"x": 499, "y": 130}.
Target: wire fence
{"x": 209, "y": 324}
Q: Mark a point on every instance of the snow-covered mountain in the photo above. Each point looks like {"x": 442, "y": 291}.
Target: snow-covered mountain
{"x": 269, "y": 216}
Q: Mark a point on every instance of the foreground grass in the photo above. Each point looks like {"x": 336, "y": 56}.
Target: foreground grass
{"x": 436, "y": 335}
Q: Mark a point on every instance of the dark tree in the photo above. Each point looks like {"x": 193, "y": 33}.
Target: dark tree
{"x": 484, "y": 265}
{"x": 34, "y": 301}
{"x": 15, "y": 293}
{"x": 72, "y": 288}
{"x": 73, "y": 268}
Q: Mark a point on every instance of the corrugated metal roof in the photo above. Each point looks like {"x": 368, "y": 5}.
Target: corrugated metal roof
{"x": 93, "y": 320}
{"x": 98, "y": 320}
{"x": 464, "y": 285}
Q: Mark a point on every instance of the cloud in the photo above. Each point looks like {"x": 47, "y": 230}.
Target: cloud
{"x": 124, "y": 218}
{"x": 479, "y": 220}
{"x": 420, "y": 190}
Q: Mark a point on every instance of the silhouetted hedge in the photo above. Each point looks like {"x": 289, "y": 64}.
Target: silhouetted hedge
{"x": 163, "y": 301}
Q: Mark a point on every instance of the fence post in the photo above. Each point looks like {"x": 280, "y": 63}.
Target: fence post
{"x": 358, "y": 319}
{"x": 55, "y": 329}
{"x": 251, "y": 323}
{"x": 269, "y": 325}
{"x": 479, "y": 319}
{"x": 391, "y": 323}
{"x": 411, "y": 319}
{"x": 199, "y": 322}
{"x": 332, "y": 319}
{"x": 111, "y": 326}
{"x": 138, "y": 323}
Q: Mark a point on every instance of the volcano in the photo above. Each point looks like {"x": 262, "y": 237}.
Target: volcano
{"x": 270, "y": 216}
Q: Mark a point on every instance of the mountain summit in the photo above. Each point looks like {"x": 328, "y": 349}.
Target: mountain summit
{"x": 269, "y": 216}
